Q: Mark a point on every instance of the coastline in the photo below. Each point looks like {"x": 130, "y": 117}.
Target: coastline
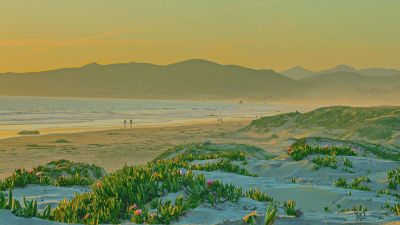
{"x": 6, "y": 134}
{"x": 112, "y": 147}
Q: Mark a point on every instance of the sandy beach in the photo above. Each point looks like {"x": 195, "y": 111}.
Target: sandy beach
{"x": 67, "y": 130}
{"x": 110, "y": 147}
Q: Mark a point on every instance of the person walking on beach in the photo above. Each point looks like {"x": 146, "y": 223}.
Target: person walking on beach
{"x": 131, "y": 123}
{"x": 124, "y": 123}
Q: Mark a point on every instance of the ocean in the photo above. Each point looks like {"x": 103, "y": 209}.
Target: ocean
{"x": 35, "y": 113}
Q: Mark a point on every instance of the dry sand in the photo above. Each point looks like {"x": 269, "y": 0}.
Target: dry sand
{"x": 112, "y": 148}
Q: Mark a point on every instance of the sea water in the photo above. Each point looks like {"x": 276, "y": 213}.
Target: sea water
{"x": 35, "y": 113}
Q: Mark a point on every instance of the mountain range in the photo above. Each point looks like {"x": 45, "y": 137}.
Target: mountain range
{"x": 202, "y": 80}
{"x": 299, "y": 72}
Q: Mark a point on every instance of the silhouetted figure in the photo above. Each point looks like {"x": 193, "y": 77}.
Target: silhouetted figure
{"x": 131, "y": 123}
{"x": 124, "y": 123}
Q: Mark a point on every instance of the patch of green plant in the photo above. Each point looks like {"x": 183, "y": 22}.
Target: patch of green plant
{"x": 274, "y": 136}
{"x": 265, "y": 124}
{"x": 359, "y": 211}
{"x": 300, "y": 150}
{"x": 271, "y": 214}
{"x": 382, "y": 151}
{"x": 393, "y": 178}
{"x": 21, "y": 178}
{"x": 224, "y": 165}
{"x": 58, "y": 173}
{"x": 356, "y": 184}
{"x": 211, "y": 148}
{"x": 341, "y": 182}
{"x": 258, "y": 195}
{"x": 134, "y": 191}
{"x": 75, "y": 180}
{"x": 396, "y": 209}
{"x": 326, "y": 161}
{"x": 29, "y": 132}
{"x": 250, "y": 218}
{"x": 28, "y": 210}
{"x": 369, "y": 123}
{"x": 61, "y": 141}
{"x": 64, "y": 167}
{"x": 290, "y": 208}
{"x": 347, "y": 162}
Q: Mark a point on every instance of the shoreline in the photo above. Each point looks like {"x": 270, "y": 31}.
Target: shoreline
{"x": 112, "y": 147}
{"x": 8, "y": 134}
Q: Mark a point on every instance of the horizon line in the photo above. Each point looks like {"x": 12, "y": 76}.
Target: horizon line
{"x": 194, "y": 59}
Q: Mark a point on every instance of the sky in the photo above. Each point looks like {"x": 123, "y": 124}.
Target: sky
{"x": 39, "y": 35}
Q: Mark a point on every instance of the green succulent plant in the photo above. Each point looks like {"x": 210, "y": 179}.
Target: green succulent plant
{"x": 135, "y": 192}
{"x": 347, "y": 162}
{"x": 396, "y": 209}
{"x": 271, "y": 214}
{"x": 327, "y": 161}
{"x": 300, "y": 150}
{"x": 258, "y": 195}
{"x": 290, "y": 209}
{"x": 356, "y": 183}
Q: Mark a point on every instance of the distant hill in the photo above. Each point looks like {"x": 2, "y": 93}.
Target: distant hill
{"x": 188, "y": 79}
{"x": 299, "y": 73}
{"x": 375, "y": 124}
{"x": 202, "y": 80}
{"x": 346, "y": 80}
{"x": 373, "y": 72}
{"x": 339, "y": 68}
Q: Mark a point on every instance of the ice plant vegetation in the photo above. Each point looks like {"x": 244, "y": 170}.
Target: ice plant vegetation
{"x": 300, "y": 150}
{"x": 347, "y": 162}
{"x": 250, "y": 218}
{"x": 271, "y": 214}
{"x": 258, "y": 195}
{"x": 136, "y": 192}
{"x": 290, "y": 208}
{"x": 359, "y": 212}
{"x": 396, "y": 209}
{"x": 394, "y": 178}
{"x": 27, "y": 210}
{"x": 57, "y": 173}
{"x": 326, "y": 161}
{"x": 357, "y": 183}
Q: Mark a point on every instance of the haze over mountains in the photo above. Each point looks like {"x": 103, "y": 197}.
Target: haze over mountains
{"x": 202, "y": 80}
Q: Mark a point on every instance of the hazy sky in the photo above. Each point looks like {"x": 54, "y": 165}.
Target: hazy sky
{"x": 278, "y": 34}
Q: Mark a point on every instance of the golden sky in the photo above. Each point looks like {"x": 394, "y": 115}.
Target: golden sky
{"x": 278, "y": 34}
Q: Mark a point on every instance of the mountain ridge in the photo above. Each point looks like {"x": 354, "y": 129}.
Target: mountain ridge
{"x": 200, "y": 79}
{"x": 299, "y": 72}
